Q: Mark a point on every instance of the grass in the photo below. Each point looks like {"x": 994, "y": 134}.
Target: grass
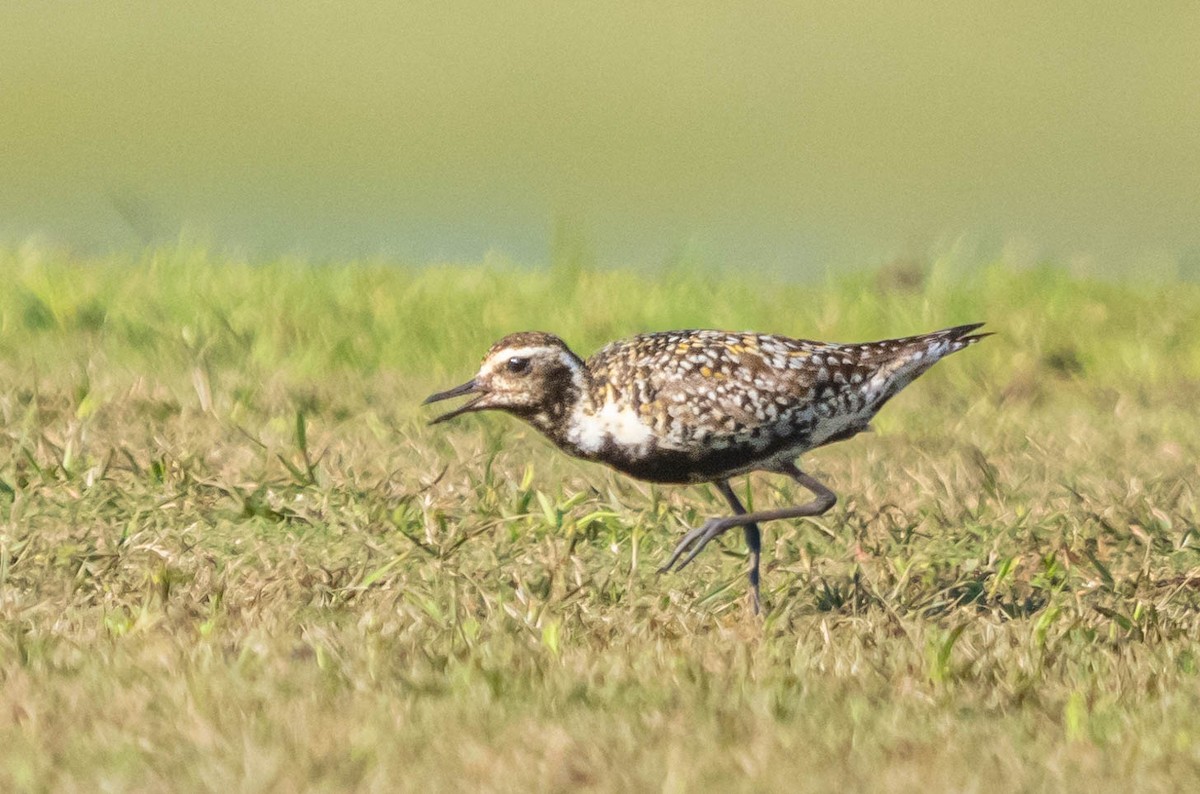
{"x": 233, "y": 557}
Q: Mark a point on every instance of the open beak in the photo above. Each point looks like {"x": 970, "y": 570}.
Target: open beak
{"x": 470, "y": 387}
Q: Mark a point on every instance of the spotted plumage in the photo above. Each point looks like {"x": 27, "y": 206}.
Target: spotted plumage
{"x": 703, "y": 406}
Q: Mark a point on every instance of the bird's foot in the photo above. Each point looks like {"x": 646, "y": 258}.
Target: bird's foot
{"x": 695, "y": 540}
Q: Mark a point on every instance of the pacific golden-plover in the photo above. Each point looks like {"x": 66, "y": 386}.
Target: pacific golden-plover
{"x": 703, "y": 406}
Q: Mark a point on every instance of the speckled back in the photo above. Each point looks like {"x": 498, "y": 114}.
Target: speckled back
{"x": 733, "y": 396}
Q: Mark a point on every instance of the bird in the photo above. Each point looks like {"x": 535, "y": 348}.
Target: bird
{"x": 703, "y": 406}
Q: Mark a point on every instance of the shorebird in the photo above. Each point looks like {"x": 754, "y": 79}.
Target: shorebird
{"x": 702, "y": 407}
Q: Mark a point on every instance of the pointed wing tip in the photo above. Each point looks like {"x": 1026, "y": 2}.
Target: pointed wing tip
{"x": 961, "y": 335}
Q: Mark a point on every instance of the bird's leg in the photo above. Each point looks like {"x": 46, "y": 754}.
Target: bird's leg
{"x": 698, "y": 538}
{"x": 753, "y": 541}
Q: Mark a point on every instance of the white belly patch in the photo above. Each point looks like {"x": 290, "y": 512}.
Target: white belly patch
{"x": 616, "y": 424}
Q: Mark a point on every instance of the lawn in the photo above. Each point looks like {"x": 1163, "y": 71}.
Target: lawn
{"x": 234, "y": 557}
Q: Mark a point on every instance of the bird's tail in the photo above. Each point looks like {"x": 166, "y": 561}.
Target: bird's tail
{"x": 957, "y": 338}
{"x": 919, "y": 353}
{"x": 899, "y": 362}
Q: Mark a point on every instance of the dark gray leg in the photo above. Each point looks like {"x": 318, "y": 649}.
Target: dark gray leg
{"x": 698, "y": 538}
{"x": 753, "y": 541}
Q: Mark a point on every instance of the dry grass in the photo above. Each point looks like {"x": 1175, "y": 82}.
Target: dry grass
{"x": 198, "y": 594}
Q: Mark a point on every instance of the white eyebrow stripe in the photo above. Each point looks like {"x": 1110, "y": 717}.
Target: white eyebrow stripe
{"x": 514, "y": 352}
{"x": 530, "y": 351}
{"x": 526, "y": 352}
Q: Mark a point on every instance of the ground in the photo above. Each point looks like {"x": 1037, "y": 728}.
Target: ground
{"x": 234, "y": 557}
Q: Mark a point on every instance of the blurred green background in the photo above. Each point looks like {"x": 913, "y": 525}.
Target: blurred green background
{"x": 793, "y": 136}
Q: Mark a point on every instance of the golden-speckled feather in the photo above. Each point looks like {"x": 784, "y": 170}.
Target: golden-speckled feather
{"x": 739, "y": 398}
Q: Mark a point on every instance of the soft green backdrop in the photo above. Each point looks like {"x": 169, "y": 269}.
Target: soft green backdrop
{"x": 791, "y": 135}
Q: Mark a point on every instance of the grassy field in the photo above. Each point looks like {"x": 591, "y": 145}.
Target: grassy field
{"x": 233, "y": 557}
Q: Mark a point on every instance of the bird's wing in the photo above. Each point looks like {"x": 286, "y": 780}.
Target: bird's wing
{"x": 717, "y": 387}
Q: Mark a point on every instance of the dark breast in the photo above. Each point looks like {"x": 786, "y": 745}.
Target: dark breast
{"x": 672, "y": 466}
{"x": 700, "y": 463}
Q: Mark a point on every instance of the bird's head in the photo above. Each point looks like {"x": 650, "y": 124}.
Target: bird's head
{"x": 530, "y": 374}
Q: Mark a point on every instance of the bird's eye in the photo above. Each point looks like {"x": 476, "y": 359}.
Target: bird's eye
{"x": 517, "y": 365}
